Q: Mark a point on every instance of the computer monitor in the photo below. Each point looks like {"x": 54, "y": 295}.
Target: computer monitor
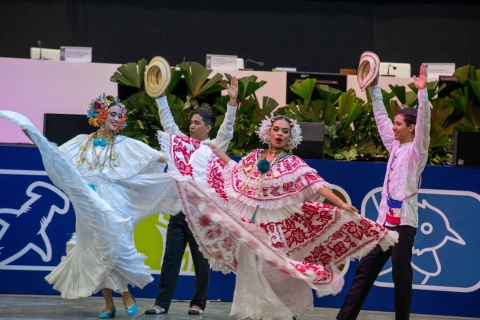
{"x": 312, "y": 145}
{"x": 466, "y": 149}
{"x": 60, "y": 128}
{"x": 450, "y": 85}
{"x": 334, "y": 80}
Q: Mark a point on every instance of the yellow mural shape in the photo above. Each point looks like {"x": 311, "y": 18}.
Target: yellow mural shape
{"x": 150, "y": 236}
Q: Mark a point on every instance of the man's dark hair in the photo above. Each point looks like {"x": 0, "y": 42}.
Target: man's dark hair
{"x": 207, "y": 116}
{"x": 409, "y": 116}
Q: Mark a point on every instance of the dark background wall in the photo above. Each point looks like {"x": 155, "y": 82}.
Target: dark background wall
{"x": 309, "y": 35}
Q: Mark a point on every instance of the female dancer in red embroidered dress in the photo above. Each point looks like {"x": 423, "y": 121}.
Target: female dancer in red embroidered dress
{"x": 262, "y": 219}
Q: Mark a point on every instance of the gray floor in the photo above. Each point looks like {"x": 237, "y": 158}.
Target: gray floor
{"x": 53, "y": 307}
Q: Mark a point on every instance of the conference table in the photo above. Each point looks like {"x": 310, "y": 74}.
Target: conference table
{"x": 36, "y": 87}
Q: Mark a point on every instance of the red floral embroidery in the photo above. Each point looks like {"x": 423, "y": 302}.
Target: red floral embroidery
{"x": 228, "y": 244}
{"x": 181, "y": 149}
{"x": 339, "y": 249}
{"x": 204, "y": 221}
{"x": 214, "y": 232}
{"x": 272, "y": 189}
{"x": 320, "y": 255}
{"x": 215, "y": 168}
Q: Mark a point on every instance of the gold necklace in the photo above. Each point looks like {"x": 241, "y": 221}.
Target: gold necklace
{"x": 108, "y": 151}
{"x": 109, "y": 154}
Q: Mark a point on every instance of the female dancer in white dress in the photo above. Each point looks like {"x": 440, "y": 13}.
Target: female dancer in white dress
{"x": 113, "y": 182}
{"x": 262, "y": 218}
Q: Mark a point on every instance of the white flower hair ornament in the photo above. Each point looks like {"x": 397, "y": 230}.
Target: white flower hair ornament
{"x": 295, "y": 131}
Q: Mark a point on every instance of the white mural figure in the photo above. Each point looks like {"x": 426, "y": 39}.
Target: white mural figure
{"x": 435, "y": 231}
{"x": 34, "y": 235}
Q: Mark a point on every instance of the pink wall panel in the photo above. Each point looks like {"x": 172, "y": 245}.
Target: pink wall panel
{"x": 35, "y": 87}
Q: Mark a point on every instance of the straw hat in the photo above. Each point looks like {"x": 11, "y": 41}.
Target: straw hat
{"x": 157, "y": 77}
{"x": 368, "y": 69}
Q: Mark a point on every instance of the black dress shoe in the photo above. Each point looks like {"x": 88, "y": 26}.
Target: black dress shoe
{"x": 193, "y": 312}
{"x": 155, "y": 310}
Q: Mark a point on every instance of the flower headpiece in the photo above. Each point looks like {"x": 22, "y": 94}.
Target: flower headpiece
{"x": 295, "y": 131}
{"x": 98, "y": 110}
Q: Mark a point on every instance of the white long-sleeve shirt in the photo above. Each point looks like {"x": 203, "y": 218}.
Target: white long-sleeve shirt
{"x": 410, "y": 158}
{"x": 224, "y": 134}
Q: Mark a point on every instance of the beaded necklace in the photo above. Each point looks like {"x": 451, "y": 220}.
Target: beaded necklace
{"x": 106, "y": 148}
{"x": 109, "y": 152}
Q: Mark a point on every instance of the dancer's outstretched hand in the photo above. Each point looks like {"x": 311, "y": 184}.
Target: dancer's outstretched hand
{"x": 349, "y": 208}
{"x": 333, "y": 198}
{"x": 212, "y": 146}
{"x": 218, "y": 152}
{"x": 232, "y": 90}
{"x": 421, "y": 81}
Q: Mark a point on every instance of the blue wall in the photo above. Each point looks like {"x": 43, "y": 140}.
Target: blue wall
{"x": 446, "y": 279}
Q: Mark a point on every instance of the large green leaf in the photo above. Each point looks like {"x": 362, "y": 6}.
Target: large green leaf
{"x": 355, "y": 111}
{"x": 410, "y": 99}
{"x": 130, "y": 74}
{"x": 475, "y": 85}
{"x": 438, "y": 88}
{"x": 316, "y": 110}
{"x": 387, "y": 102}
{"x": 174, "y": 103}
{"x": 328, "y": 93}
{"x": 304, "y": 88}
{"x": 348, "y": 109}
{"x": 143, "y": 121}
{"x": 459, "y": 98}
{"x": 472, "y": 117}
{"x": 345, "y": 103}
{"x": 268, "y": 106}
{"x": 247, "y": 86}
{"x": 292, "y": 111}
{"x": 196, "y": 77}
{"x": 462, "y": 73}
{"x": 330, "y": 113}
{"x": 438, "y": 137}
{"x": 400, "y": 93}
{"x": 441, "y": 109}
{"x": 176, "y": 76}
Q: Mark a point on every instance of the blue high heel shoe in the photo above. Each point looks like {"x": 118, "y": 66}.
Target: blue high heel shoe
{"x": 132, "y": 309}
{"x": 106, "y": 315}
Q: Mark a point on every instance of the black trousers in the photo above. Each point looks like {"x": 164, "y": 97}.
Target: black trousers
{"x": 370, "y": 266}
{"x": 178, "y": 234}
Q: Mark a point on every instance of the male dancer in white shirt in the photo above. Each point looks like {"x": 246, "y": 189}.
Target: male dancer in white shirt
{"x": 407, "y": 144}
{"x": 178, "y": 232}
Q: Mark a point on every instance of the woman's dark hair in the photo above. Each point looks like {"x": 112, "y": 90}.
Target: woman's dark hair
{"x": 282, "y": 117}
{"x": 409, "y": 116}
{"x": 207, "y": 116}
